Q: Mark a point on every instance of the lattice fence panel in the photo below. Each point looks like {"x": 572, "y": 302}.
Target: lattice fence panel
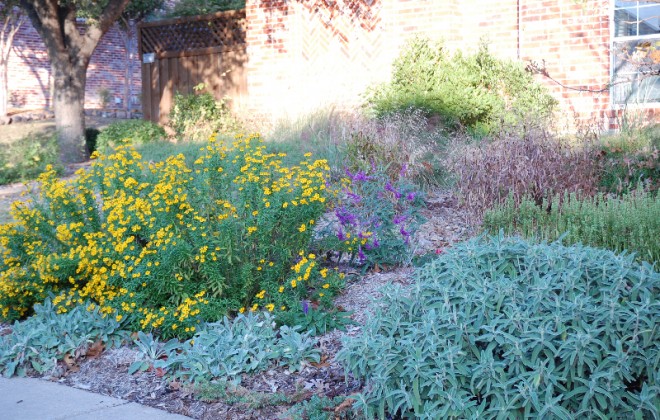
{"x": 225, "y": 29}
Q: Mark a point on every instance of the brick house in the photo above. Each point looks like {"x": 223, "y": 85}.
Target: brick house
{"x": 306, "y": 54}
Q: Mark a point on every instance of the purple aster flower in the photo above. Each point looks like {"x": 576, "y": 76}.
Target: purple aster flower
{"x": 361, "y": 255}
{"x": 305, "y": 307}
{"x": 345, "y": 217}
{"x": 389, "y": 187}
{"x": 355, "y": 197}
{"x": 398, "y": 219}
{"x": 404, "y": 170}
{"x": 411, "y": 196}
{"x": 340, "y": 235}
{"x": 405, "y": 234}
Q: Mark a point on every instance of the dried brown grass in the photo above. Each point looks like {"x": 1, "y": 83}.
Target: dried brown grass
{"x": 535, "y": 164}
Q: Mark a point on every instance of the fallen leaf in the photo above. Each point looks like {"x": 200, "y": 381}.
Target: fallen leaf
{"x": 348, "y": 403}
{"x": 95, "y": 350}
{"x": 160, "y": 372}
{"x": 322, "y": 363}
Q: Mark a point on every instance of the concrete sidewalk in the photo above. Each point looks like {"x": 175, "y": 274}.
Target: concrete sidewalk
{"x": 36, "y": 399}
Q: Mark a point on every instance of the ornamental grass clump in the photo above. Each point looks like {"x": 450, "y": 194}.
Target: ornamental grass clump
{"x": 504, "y": 328}
{"x": 162, "y": 245}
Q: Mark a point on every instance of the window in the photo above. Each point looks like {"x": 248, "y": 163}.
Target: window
{"x": 636, "y": 52}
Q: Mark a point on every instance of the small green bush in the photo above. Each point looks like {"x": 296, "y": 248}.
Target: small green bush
{"x": 48, "y": 336}
{"x": 630, "y": 223}
{"x": 26, "y": 158}
{"x": 198, "y": 116}
{"x": 502, "y": 328}
{"x": 624, "y": 171}
{"x": 128, "y": 132}
{"x": 476, "y": 91}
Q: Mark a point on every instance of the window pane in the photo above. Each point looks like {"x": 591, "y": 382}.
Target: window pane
{"x": 636, "y": 64}
{"x": 649, "y": 19}
{"x": 625, "y": 22}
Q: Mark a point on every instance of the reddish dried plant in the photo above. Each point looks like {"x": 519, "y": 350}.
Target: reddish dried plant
{"x": 535, "y": 164}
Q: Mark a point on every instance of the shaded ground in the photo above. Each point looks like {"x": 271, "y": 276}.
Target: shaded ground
{"x": 270, "y": 394}
{"x": 15, "y": 131}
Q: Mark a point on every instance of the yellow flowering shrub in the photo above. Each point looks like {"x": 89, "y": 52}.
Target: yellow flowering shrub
{"x": 162, "y": 244}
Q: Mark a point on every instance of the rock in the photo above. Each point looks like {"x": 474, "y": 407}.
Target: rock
{"x": 18, "y": 118}
{"x": 5, "y": 120}
{"x": 121, "y": 114}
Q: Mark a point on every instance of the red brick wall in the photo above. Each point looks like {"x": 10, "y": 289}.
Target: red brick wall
{"x": 29, "y": 71}
{"x": 305, "y": 54}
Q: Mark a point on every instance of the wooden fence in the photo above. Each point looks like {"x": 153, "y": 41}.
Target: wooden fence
{"x": 178, "y": 54}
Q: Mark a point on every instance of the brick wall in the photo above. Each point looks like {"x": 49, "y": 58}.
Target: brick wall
{"x": 307, "y": 54}
{"x": 29, "y": 71}
{"x": 304, "y": 54}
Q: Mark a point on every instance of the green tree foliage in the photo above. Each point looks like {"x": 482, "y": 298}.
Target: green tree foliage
{"x": 203, "y": 7}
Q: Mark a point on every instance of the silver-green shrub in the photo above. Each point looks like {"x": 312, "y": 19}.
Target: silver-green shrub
{"x": 247, "y": 344}
{"x": 504, "y": 328}
{"x": 46, "y": 337}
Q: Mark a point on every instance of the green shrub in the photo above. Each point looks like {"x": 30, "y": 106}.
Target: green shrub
{"x": 166, "y": 245}
{"x": 198, "y": 116}
{"x": 477, "y": 91}
{"x": 630, "y": 223}
{"x": 26, "y": 158}
{"x": 47, "y": 337}
{"x": 623, "y": 171}
{"x": 128, "y": 132}
{"x": 502, "y": 328}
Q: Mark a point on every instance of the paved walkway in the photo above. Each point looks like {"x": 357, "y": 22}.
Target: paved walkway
{"x": 36, "y": 399}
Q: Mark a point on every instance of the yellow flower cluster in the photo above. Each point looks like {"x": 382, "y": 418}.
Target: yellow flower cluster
{"x": 132, "y": 237}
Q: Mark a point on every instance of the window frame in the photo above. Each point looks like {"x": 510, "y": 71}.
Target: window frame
{"x": 622, "y": 39}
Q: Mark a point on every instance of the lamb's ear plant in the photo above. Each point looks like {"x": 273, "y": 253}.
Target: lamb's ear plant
{"x": 230, "y": 348}
{"x": 47, "y": 336}
{"x": 151, "y": 351}
{"x": 502, "y": 328}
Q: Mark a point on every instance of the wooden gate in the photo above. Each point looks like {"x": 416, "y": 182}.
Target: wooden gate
{"x": 178, "y": 54}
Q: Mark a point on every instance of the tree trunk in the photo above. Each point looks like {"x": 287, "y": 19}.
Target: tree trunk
{"x": 68, "y": 104}
{"x": 4, "y": 90}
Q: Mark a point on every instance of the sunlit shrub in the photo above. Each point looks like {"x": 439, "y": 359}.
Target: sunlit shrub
{"x": 164, "y": 244}
{"x": 27, "y": 157}
{"x": 477, "y": 91}
{"x": 198, "y": 115}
